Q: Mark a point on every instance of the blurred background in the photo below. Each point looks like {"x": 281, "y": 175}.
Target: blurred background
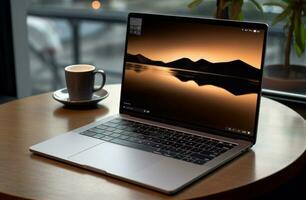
{"x": 64, "y": 32}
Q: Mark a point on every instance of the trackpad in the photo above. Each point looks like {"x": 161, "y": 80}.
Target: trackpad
{"x": 115, "y": 159}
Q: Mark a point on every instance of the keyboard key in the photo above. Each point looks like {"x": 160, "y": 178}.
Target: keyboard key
{"x": 169, "y": 148}
{"x": 123, "y": 137}
{"x": 167, "y": 142}
{"x": 185, "y": 147}
{"x": 177, "y": 150}
{"x": 107, "y": 133}
{"x": 110, "y": 129}
{"x": 118, "y": 131}
{"x": 132, "y": 139}
{"x": 188, "y": 159}
{"x": 196, "y": 150}
{"x": 204, "y": 152}
{"x": 96, "y": 130}
{"x": 102, "y": 127}
{"x": 148, "y": 143}
{"x": 201, "y": 156}
{"x": 89, "y": 133}
{"x": 129, "y": 129}
{"x": 98, "y": 136}
{"x": 133, "y": 145}
{"x": 106, "y": 138}
{"x": 110, "y": 124}
{"x": 200, "y": 162}
{"x": 179, "y": 156}
{"x": 115, "y": 135}
{"x": 157, "y": 140}
{"x": 139, "y": 141}
{"x": 176, "y": 145}
{"x": 122, "y": 127}
{"x": 190, "y": 143}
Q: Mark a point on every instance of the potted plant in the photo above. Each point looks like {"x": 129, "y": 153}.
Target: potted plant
{"x": 288, "y": 77}
{"x": 228, "y": 9}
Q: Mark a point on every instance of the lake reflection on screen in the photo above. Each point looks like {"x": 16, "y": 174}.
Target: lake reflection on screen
{"x": 201, "y": 98}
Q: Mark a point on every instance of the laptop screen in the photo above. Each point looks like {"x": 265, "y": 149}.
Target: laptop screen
{"x": 205, "y": 73}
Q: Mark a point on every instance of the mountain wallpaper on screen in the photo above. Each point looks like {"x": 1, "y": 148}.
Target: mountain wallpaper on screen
{"x": 235, "y": 68}
{"x": 236, "y": 76}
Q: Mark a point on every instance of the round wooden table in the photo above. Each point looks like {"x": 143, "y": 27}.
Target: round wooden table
{"x": 277, "y": 154}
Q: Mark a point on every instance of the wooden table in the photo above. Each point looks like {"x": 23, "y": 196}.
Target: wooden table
{"x": 277, "y": 154}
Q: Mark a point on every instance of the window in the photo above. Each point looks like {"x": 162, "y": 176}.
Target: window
{"x": 85, "y": 31}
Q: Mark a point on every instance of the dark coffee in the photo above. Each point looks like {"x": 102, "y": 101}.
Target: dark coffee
{"x": 80, "y": 81}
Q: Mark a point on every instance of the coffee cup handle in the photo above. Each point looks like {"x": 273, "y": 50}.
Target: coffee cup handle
{"x": 100, "y": 71}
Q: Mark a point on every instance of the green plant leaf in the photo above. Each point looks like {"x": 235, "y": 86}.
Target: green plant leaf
{"x": 298, "y": 50}
{"x": 241, "y": 16}
{"x": 276, "y": 3}
{"x": 235, "y": 9}
{"x": 299, "y": 34}
{"x": 281, "y": 16}
{"x": 297, "y": 27}
{"x": 257, "y": 5}
{"x": 194, "y": 4}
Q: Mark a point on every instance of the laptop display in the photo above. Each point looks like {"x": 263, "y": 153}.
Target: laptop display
{"x": 203, "y": 74}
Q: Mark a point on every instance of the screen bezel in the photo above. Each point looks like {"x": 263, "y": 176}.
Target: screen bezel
{"x": 157, "y": 17}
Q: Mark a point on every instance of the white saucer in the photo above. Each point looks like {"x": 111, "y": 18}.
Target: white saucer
{"x": 63, "y": 97}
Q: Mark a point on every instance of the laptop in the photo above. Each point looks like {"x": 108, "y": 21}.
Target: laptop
{"x": 190, "y": 100}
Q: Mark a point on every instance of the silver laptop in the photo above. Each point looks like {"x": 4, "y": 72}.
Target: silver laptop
{"x": 189, "y": 103}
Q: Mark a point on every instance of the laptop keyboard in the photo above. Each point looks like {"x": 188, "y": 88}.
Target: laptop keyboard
{"x": 162, "y": 141}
